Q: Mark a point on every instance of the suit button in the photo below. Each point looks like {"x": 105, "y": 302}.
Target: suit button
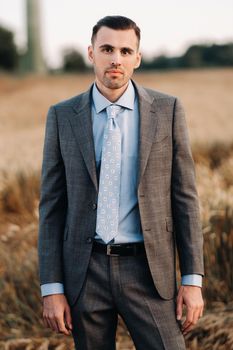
{"x": 94, "y": 206}
{"x": 89, "y": 240}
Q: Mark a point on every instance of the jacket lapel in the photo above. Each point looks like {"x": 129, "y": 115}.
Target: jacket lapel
{"x": 81, "y": 123}
{"x": 148, "y": 123}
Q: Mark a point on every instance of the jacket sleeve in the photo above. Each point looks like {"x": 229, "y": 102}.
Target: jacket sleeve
{"x": 185, "y": 204}
{"x": 52, "y": 206}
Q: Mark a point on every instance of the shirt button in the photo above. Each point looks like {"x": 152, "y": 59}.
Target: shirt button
{"x": 89, "y": 240}
{"x": 94, "y": 206}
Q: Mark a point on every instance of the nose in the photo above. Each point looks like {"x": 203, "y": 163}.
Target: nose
{"x": 116, "y": 59}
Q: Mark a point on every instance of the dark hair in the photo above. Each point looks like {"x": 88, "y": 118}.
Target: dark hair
{"x": 117, "y": 23}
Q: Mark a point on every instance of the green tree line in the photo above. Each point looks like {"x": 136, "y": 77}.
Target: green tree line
{"x": 196, "y": 56}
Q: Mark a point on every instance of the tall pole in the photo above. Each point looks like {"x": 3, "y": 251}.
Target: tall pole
{"x": 35, "y": 62}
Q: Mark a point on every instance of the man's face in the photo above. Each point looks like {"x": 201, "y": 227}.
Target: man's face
{"x": 114, "y": 55}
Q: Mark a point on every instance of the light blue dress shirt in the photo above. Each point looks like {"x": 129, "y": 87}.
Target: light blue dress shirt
{"x": 129, "y": 229}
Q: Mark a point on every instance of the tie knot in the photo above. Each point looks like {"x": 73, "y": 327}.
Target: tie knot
{"x": 113, "y": 110}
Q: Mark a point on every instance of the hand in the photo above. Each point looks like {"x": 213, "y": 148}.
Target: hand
{"x": 191, "y": 297}
{"x": 56, "y": 313}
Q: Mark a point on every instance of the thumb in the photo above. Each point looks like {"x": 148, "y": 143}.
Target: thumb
{"x": 179, "y": 306}
{"x": 67, "y": 317}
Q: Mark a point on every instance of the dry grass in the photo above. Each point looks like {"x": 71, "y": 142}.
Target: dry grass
{"x": 19, "y": 198}
{"x": 20, "y": 314}
{"x": 23, "y": 106}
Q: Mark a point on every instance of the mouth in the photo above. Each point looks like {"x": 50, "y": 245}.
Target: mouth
{"x": 114, "y": 71}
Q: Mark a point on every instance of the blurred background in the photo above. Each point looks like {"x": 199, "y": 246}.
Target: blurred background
{"x": 187, "y": 52}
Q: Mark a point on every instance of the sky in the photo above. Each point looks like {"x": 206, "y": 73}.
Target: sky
{"x": 167, "y": 27}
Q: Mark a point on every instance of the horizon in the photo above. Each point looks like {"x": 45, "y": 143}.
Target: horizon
{"x": 175, "y": 26}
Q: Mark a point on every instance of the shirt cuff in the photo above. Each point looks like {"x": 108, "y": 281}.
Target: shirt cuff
{"x": 191, "y": 280}
{"x": 51, "y": 288}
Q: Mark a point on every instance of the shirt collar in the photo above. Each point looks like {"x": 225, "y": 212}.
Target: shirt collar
{"x": 126, "y": 100}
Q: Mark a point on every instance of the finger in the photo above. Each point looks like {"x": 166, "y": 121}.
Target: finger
{"x": 49, "y": 323}
{"x": 179, "y": 307}
{"x": 61, "y": 326}
{"x": 192, "y": 319}
{"x": 200, "y": 313}
{"x": 68, "y": 319}
{"x": 202, "y": 310}
{"x": 53, "y": 323}
{"x": 50, "y": 320}
{"x": 188, "y": 320}
{"x": 46, "y": 324}
{"x": 188, "y": 329}
{"x": 196, "y": 315}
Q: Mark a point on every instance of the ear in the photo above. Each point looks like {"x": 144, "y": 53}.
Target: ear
{"x": 138, "y": 60}
{"x": 90, "y": 54}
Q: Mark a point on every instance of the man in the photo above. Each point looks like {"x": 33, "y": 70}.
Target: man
{"x": 117, "y": 196}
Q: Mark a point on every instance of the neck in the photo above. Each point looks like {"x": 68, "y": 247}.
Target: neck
{"x": 111, "y": 94}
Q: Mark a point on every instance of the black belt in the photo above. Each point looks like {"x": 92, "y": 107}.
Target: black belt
{"x": 121, "y": 249}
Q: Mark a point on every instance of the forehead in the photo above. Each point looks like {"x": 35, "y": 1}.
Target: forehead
{"x": 116, "y": 38}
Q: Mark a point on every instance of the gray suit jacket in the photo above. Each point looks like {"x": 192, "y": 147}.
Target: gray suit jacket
{"x": 167, "y": 196}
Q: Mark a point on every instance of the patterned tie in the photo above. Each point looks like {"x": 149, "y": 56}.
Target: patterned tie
{"x": 109, "y": 183}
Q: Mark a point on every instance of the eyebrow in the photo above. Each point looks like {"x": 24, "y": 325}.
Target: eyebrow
{"x": 107, "y": 46}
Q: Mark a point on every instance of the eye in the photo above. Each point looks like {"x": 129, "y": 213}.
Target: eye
{"x": 125, "y": 52}
{"x": 107, "y": 49}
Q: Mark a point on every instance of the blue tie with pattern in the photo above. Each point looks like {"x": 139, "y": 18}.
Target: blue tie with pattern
{"x": 109, "y": 182}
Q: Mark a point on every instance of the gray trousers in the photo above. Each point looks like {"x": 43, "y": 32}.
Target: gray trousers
{"x": 123, "y": 285}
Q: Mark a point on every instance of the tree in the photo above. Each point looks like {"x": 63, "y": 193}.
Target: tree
{"x": 8, "y": 50}
{"x": 193, "y": 57}
{"x": 73, "y": 61}
{"x": 219, "y": 55}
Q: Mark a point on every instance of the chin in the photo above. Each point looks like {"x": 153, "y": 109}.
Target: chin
{"x": 116, "y": 84}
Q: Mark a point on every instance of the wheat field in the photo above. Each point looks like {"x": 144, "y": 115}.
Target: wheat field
{"x": 24, "y": 101}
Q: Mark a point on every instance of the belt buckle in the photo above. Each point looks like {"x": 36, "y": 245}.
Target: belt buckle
{"x": 109, "y": 246}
